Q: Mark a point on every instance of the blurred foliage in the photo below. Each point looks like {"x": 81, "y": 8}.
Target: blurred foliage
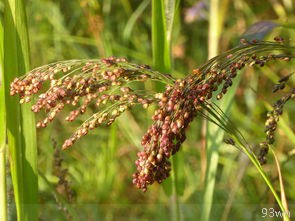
{"x": 99, "y": 167}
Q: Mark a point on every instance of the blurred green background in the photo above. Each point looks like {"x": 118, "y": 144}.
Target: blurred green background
{"x": 100, "y": 166}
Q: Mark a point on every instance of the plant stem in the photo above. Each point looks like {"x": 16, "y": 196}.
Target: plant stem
{"x": 175, "y": 200}
{"x": 162, "y": 26}
{"x": 240, "y": 143}
{"x": 267, "y": 181}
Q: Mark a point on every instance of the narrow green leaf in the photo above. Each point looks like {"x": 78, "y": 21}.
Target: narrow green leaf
{"x": 161, "y": 47}
{"x": 21, "y": 131}
{"x": 132, "y": 20}
{"x": 162, "y": 25}
{"x": 170, "y": 8}
{"x": 214, "y": 139}
{"x": 3, "y": 198}
{"x": 214, "y": 133}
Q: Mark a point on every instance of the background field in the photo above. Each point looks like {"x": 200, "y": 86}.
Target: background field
{"x": 100, "y": 166}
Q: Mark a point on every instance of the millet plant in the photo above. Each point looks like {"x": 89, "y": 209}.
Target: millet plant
{"x": 98, "y": 91}
{"x": 107, "y": 84}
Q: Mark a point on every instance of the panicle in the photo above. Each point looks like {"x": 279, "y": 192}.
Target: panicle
{"x": 104, "y": 83}
{"x": 107, "y": 85}
{"x": 165, "y": 136}
{"x": 272, "y": 120}
{"x": 180, "y": 103}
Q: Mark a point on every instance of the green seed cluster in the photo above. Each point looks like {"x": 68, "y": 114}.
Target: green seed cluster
{"x": 273, "y": 118}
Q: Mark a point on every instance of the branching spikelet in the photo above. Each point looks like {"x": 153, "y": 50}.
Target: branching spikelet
{"x": 273, "y": 117}
{"x": 107, "y": 83}
{"x": 104, "y": 82}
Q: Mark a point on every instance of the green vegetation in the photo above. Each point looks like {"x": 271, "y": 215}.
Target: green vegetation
{"x": 228, "y": 119}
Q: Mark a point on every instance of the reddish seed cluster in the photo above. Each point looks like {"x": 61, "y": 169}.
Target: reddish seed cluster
{"x": 79, "y": 83}
{"x": 107, "y": 84}
{"x": 178, "y": 106}
{"x": 165, "y": 136}
{"x": 121, "y": 104}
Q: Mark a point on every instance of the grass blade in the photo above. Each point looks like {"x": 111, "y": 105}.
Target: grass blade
{"x": 282, "y": 189}
{"x": 160, "y": 43}
{"x": 133, "y": 18}
{"x": 162, "y": 25}
{"x": 214, "y": 139}
{"x": 3, "y": 198}
{"x": 214, "y": 134}
{"x": 20, "y": 121}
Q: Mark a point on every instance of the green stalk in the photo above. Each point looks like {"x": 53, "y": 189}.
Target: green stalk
{"x": 222, "y": 119}
{"x": 21, "y": 131}
{"x": 256, "y": 163}
{"x": 3, "y": 195}
{"x": 160, "y": 42}
{"x": 162, "y": 25}
{"x": 214, "y": 134}
{"x": 214, "y": 29}
{"x": 214, "y": 139}
{"x": 133, "y": 18}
